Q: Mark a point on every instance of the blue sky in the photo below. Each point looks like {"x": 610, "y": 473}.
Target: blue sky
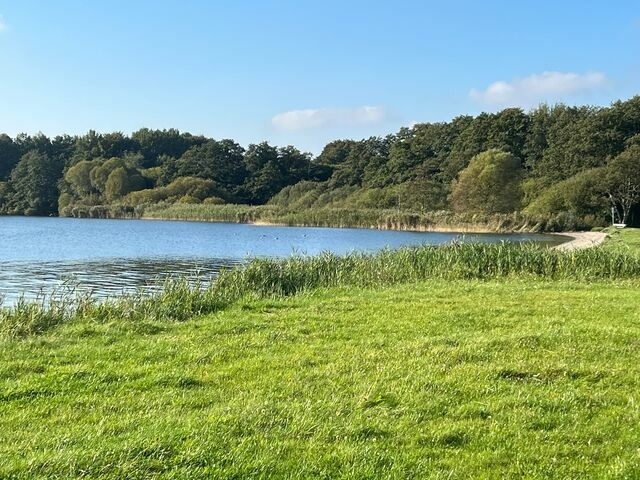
{"x": 301, "y": 72}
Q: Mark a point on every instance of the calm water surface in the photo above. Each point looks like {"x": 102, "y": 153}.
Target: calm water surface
{"x": 111, "y": 257}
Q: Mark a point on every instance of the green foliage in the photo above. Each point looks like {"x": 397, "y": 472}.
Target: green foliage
{"x": 100, "y": 174}
{"x": 271, "y": 169}
{"x": 578, "y": 138}
{"x": 78, "y": 177}
{"x": 335, "y": 152}
{"x": 120, "y": 182}
{"x": 189, "y": 199}
{"x": 420, "y": 194}
{"x": 9, "y": 156}
{"x": 6, "y": 195}
{"x": 213, "y": 201}
{"x": 33, "y": 185}
{"x": 191, "y": 189}
{"x": 423, "y": 194}
{"x": 300, "y": 195}
{"x": 93, "y": 210}
{"x": 583, "y": 194}
{"x": 65, "y": 201}
{"x": 490, "y": 184}
{"x": 152, "y": 175}
{"x": 221, "y": 162}
{"x": 154, "y": 143}
{"x": 364, "y": 165}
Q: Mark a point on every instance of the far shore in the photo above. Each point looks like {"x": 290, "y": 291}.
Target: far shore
{"x": 444, "y": 228}
{"x": 392, "y": 226}
{"x": 573, "y": 240}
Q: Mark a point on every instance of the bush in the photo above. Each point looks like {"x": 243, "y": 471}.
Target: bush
{"x": 213, "y": 201}
{"x": 490, "y": 184}
{"x": 191, "y": 189}
{"x": 189, "y": 199}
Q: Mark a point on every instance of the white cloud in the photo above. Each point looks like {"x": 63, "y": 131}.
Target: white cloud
{"x": 329, "y": 117}
{"x": 531, "y": 90}
{"x": 3, "y": 25}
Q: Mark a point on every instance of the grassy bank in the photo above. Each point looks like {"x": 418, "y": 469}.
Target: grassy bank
{"x": 368, "y": 218}
{"x": 179, "y": 301}
{"x": 435, "y": 379}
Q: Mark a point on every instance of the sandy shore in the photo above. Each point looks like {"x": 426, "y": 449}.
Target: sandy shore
{"x": 580, "y": 240}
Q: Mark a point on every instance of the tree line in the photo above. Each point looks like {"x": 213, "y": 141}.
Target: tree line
{"x": 43, "y": 176}
{"x": 580, "y": 160}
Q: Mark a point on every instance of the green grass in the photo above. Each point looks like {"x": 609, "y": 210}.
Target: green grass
{"x": 626, "y": 239}
{"x": 431, "y": 379}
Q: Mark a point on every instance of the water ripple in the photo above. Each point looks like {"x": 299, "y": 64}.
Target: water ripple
{"x": 103, "y": 279}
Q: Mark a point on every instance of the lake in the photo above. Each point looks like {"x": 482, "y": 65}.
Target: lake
{"x": 110, "y": 257}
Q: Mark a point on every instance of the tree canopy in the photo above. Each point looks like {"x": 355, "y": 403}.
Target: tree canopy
{"x": 490, "y": 184}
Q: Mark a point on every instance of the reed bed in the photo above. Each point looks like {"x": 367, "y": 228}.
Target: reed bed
{"x": 180, "y": 300}
{"x": 389, "y": 219}
{"x": 210, "y": 213}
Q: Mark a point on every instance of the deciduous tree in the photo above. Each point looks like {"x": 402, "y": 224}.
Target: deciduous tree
{"x": 490, "y": 184}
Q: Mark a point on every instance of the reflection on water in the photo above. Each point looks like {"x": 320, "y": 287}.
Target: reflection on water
{"x": 103, "y": 279}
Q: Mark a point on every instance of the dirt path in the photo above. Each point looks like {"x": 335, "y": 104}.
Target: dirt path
{"x": 580, "y": 240}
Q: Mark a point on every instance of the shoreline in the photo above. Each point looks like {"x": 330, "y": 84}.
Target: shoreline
{"x": 444, "y": 228}
{"x": 369, "y": 219}
{"x": 397, "y": 228}
{"x": 580, "y": 240}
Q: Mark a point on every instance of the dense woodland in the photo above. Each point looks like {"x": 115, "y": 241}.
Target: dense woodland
{"x": 578, "y": 161}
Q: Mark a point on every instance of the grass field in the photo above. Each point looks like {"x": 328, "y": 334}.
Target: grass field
{"x": 440, "y": 378}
